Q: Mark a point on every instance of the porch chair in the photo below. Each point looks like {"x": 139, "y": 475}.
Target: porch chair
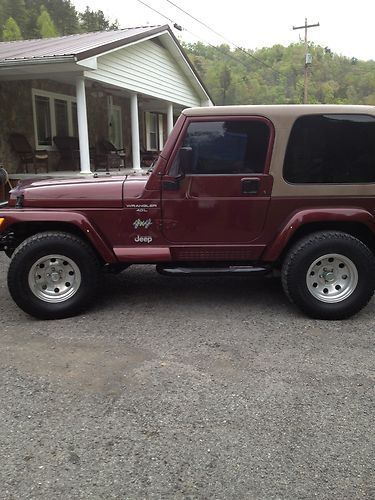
{"x": 28, "y": 155}
{"x": 4, "y": 181}
{"x": 107, "y": 156}
{"x": 68, "y": 147}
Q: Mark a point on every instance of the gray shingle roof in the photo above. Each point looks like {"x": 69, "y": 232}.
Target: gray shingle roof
{"x": 80, "y": 46}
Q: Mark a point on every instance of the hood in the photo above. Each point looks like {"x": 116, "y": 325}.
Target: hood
{"x": 134, "y": 187}
{"x": 77, "y": 192}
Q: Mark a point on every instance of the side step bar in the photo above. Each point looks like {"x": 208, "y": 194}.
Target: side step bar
{"x": 212, "y": 271}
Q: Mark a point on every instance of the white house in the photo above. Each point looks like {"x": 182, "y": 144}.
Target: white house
{"x": 126, "y": 86}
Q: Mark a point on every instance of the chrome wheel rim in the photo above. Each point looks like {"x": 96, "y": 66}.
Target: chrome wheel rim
{"x": 54, "y": 278}
{"x": 332, "y": 278}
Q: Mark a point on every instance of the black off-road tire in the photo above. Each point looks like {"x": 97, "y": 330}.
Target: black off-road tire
{"x": 350, "y": 279}
{"x": 75, "y": 286}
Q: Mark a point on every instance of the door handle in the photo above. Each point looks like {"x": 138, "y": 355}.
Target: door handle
{"x": 250, "y": 186}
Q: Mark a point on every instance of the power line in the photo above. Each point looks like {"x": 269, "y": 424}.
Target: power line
{"x": 151, "y": 8}
{"x": 175, "y": 25}
{"x": 194, "y": 34}
{"x": 226, "y": 39}
{"x": 229, "y": 56}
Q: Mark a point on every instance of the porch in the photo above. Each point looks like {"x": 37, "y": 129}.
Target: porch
{"x": 126, "y": 87}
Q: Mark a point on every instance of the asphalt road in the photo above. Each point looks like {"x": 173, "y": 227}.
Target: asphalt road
{"x": 186, "y": 388}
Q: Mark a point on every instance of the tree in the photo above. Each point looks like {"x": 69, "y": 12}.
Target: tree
{"x": 91, "y": 20}
{"x": 45, "y": 25}
{"x": 16, "y": 10}
{"x": 62, "y": 13}
{"x": 274, "y": 75}
{"x": 11, "y": 30}
{"x": 225, "y": 79}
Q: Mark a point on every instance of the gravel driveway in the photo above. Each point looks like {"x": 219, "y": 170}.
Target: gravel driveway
{"x": 186, "y": 388}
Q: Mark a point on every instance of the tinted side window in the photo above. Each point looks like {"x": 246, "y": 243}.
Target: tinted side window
{"x": 331, "y": 149}
{"x": 227, "y": 147}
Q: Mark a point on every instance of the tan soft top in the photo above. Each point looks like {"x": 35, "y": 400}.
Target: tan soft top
{"x": 280, "y": 110}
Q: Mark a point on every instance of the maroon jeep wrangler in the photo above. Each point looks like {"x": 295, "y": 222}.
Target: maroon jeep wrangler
{"x": 236, "y": 190}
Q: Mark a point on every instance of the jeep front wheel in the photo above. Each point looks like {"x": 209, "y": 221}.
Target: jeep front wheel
{"x": 53, "y": 275}
{"x": 329, "y": 275}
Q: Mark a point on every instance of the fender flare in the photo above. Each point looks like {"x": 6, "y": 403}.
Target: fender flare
{"x": 16, "y": 216}
{"x": 308, "y": 216}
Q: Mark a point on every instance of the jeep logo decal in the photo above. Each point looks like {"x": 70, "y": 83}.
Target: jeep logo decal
{"x": 143, "y": 239}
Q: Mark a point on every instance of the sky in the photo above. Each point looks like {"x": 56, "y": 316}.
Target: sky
{"x": 347, "y": 28}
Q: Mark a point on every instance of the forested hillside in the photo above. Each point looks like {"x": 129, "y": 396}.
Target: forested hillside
{"x": 275, "y": 75}
{"x": 24, "y": 19}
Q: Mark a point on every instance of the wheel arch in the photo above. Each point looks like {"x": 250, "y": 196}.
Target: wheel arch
{"x": 356, "y": 229}
{"x": 21, "y": 230}
{"x": 358, "y": 223}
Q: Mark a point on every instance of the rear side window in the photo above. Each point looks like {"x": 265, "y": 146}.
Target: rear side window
{"x": 226, "y": 147}
{"x": 335, "y": 148}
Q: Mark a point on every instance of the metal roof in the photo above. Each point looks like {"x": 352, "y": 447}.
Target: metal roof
{"x": 79, "y": 46}
{"x": 74, "y": 48}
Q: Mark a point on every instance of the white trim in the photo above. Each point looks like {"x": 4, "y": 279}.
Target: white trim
{"x": 84, "y": 151}
{"x": 150, "y": 37}
{"x": 161, "y": 131}
{"x": 52, "y": 96}
{"x": 90, "y": 63}
{"x": 136, "y": 156}
{"x": 169, "y": 118}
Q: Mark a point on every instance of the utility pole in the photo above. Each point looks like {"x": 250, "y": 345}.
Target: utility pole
{"x": 308, "y": 58}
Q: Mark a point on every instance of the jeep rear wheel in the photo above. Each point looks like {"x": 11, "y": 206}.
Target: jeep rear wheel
{"x": 329, "y": 275}
{"x": 53, "y": 275}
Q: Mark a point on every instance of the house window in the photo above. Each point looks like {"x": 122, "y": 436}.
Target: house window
{"x": 154, "y": 131}
{"x": 61, "y": 117}
{"x": 115, "y": 126}
{"x": 43, "y": 120}
{"x": 54, "y": 114}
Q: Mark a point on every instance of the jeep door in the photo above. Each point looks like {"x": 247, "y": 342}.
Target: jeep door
{"x": 217, "y": 190}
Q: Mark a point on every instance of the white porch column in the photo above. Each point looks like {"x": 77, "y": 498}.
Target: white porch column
{"x": 83, "y": 134}
{"x": 169, "y": 118}
{"x": 135, "y": 132}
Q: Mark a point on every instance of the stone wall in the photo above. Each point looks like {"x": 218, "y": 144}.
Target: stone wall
{"x": 17, "y": 116}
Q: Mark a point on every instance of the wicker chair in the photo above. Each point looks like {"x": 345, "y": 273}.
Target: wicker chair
{"x": 107, "y": 156}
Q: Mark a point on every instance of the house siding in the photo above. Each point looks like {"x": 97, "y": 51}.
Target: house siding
{"x": 149, "y": 69}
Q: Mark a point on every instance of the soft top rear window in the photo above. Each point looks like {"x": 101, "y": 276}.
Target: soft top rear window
{"x": 331, "y": 148}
